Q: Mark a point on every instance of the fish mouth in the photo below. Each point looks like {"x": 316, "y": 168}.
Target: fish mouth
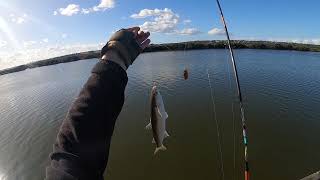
{"x": 154, "y": 90}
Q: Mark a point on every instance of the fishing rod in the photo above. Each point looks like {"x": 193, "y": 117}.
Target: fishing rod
{"x": 244, "y": 127}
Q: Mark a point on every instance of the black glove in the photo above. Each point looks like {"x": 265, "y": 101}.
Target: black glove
{"x": 124, "y": 42}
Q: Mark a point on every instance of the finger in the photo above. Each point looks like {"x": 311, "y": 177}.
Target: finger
{"x": 135, "y": 30}
{"x": 145, "y": 44}
{"x": 141, "y": 33}
{"x": 142, "y": 37}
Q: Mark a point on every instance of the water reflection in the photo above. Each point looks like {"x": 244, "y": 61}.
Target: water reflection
{"x": 281, "y": 94}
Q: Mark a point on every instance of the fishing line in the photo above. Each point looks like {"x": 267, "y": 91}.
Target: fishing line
{"x": 187, "y": 65}
{"x": 146, "y": 106}
{"x": 233, "y": 128}
{"x": 217, "y": 125}
{"x": 233, "y": 122}
{"x": 234, "y": 143}
{"x": 244, "y": 127}
{"x": 148, "y": 94}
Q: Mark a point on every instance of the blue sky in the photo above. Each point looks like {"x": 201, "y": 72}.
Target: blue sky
{"x": 37, "y": 29}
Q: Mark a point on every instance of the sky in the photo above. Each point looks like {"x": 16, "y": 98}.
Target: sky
{"x": 39, "y": 29}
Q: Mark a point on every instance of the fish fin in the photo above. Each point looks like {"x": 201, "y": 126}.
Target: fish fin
{"x": 166, "y": 134}
{"x": 166, "y": 115}
{"x": 149, "y": 126}
{"x": 159, "y": 112}
{"x": 153, "y": 141}
{"x": 161, "y": 148}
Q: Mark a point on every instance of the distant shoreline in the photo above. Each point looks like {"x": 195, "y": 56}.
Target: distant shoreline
{"x": 191, "y": 45}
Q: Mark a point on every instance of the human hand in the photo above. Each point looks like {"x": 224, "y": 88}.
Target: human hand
{"x": 128, "y": 44}
{"x": 141, "y": 37}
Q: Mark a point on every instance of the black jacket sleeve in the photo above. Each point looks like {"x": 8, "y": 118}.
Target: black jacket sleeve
{"x": 82, "y": 146}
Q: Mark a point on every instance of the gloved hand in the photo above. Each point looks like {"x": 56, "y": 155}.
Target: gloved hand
{"x": 125, "y": 45}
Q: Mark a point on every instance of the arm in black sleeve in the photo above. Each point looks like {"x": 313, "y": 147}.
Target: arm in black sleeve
{"x": 82, "y": 145}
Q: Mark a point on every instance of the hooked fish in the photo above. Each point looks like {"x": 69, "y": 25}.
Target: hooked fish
{"x": 158, "y": 119}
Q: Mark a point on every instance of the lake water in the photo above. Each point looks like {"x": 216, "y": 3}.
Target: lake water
{"x": 281, "y": 92}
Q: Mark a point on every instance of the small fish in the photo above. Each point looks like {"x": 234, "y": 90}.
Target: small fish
{"x": 158, "y": 119}
{"x": 185, "y": 74}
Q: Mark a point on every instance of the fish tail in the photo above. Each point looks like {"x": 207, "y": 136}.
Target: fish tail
{"x": 149, "y": 126}
{"x": 161, "y": 148}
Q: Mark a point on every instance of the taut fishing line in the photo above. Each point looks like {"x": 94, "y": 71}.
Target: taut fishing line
{"x": 243, "y": 121}
{"x": 233, "y": 125}
{"x": 217, "y": 126}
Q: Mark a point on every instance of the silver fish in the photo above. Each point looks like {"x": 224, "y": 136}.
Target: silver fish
{"x": 158, "y": 119}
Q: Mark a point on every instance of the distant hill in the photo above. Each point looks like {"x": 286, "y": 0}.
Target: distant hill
{"x": 236, "y": 44}
{"x": 216, "y": 44}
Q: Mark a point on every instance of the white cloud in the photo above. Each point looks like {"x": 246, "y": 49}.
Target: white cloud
{"x": 162, "y": 21}
{"x": 64, "y": 35}
{"x": 27, "y": 44}
{"x": 70, "y": 10}
{"x": 30, "y": 54}
{"x": 187, "y": 21}
{"x": 3, "y": 43}
{"x": 85, "y": 11}
{"x": 14, "y": 20}
{"x": 150, "y": 12}
{"x": 95, "y": 8}
{"x": 104, "y": 5}
{"x": 188, "y": 31}
{"x": 18, "y": 19}
{"x": 303, "y": 41}
{"x": 216, "y": 31}
{"x": 73, "y": 9}
{"x": 45, "y": 40}
{"x": 165, "y": 22}
{"x": 315, "y": 41}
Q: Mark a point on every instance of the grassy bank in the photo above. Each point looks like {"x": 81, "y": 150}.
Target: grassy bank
{"x": 236, "y": 44}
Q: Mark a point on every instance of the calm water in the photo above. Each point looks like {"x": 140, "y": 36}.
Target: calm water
{"x": 282, "y": 98}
